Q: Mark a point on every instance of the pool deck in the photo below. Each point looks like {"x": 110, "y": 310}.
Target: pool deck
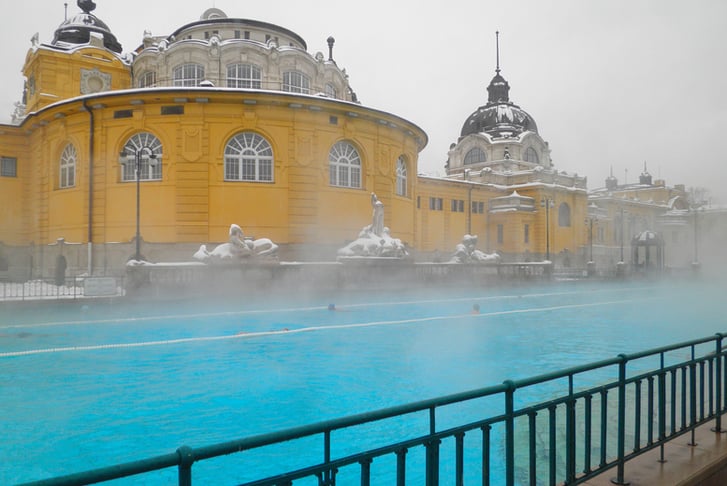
{"x": 702, "y": 464}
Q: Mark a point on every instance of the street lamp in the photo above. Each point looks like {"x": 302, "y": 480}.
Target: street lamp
{"x": 138, "y": 155}
{"x": 547, "y": 203}
{"x": 696, "y": 210}
{"x": 589, "y": 221}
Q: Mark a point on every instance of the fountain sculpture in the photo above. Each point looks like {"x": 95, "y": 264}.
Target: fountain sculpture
{"x": 466, "y": 252}
{"x": 375, "y": 239}
{"x": 237, "y": 249}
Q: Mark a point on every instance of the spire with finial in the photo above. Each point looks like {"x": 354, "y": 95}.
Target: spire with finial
{"x": 499, "y": 90}
{"x": 497, "y": 50}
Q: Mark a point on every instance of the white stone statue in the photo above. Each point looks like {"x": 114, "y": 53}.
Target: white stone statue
{"x": 237, "y": 248}
{"x": 377, "y": 224}
{"x": 375, "y": 239}
{"x": 466, "y": 252}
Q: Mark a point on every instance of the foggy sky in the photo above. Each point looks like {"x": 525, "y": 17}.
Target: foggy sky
{"x": 610, "y": 83}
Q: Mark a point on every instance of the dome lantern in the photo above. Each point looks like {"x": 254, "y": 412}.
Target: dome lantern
{"x": 499, "y": 117}
{"x": 78, "y": 29}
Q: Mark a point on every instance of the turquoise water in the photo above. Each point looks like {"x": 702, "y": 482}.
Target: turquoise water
{"x": 89, "y": 385}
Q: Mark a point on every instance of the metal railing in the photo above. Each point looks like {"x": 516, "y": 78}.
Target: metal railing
{"x": 660, "y": 394}
{"x": 49, "y": 289}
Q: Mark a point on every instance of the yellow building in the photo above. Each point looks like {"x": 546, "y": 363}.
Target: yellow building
{"x": 233, "y": 121}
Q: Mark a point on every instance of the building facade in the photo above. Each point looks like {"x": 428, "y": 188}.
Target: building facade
{"x": 232, "y": 121}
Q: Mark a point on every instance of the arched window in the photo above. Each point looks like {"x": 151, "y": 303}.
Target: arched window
{"x": 475, "y": 156}
{"x": 532, "y": 156}
{"x": 148, "y": 79}
{"x": 345, "y": 165}
{"x": 296, "y": 82}
{"x": 401, "y": 176}
{"x": 248, "y": 157}
{"x": 68, "y": 167}
{"x": 188, "y": 75}
{"x": 148, "y": 149}
{"x": 331, "y": 91}
{"x": 563, "y": 214}
{"x": 243, "y": 76}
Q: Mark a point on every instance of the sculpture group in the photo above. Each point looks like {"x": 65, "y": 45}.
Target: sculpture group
{"x": 238, "y": 248}
{"x": 375, "y": 239}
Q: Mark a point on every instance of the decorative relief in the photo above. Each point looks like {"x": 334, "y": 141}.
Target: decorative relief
{"x": 94, "y": 81}
{"x": 192, "y": 144}
{"x": 385, "y": 161}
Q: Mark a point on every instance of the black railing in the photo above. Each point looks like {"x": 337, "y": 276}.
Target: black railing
{"x": 641, "y": 401}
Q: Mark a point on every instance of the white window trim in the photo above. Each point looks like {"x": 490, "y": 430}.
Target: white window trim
{"x": 249, "y": 147}
{"x": 67, "y": 165}
{"x": 344, "y": 163}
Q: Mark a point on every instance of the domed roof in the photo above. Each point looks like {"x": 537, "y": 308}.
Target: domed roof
{"x": 499, "y": 115}
{"x": 77, "y": 29}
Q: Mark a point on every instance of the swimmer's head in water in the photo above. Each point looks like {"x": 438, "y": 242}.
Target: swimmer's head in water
{"x": 331, "y": 306}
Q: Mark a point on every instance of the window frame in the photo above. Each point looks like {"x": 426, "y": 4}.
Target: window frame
{"x": 148, "y": 79}
{"x": 296, "y": 82}
{"x": 245, "y": 76}
{"x": 469, "y": 157}
{"x": 564, "y": 215}
{"x": 182, "y": 77}
{"x": 147, "y": 144}
{"x": 252, "y": 158}
{"x": 401, "y": 177}
{"x": 530, "y": 153}
{"x": 344, "y": 160}
{"x": 8, "y": 167}
{"x": 67, "y": 167}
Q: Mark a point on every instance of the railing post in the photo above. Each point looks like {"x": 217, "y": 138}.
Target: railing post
{"x": 570, "y": 431}
{"x": 186, "y": 458}
{"x": 401, "y": 467}
{"x": 509, "y": 433}
{"x": 432, "y": 462}
{"x": 366, "y": 471}
{"x": 621, "y": 439}
{"x": 718, "y": 385}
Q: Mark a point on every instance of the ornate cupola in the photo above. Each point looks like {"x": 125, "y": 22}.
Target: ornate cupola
{"x": 499, "y": 117}
{"x": 78, "y": 29}
{"x": 611, "y": 181}
{"x": 645, "y": 177}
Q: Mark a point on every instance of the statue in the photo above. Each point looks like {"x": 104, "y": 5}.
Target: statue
{"x": 466, "y": 252}
{"x": 375, "y": 240}
{"x": 377, "y": 224}
{"x": 237, "y": 248}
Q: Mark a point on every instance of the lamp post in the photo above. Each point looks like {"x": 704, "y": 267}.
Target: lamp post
{"x": 590, "y": 265}
{"x": 547, "y": 203}
{"x": 696, "y": 210}
{"x": 138, "y": 156}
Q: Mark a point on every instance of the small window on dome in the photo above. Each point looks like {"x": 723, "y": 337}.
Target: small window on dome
{"x": 475, "y": 156}
{"x": 532, "y": 156}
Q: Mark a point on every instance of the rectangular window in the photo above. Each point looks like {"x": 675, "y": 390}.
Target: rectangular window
{"x": 173, "y": 110}
{"x": 478, "y": 207}
{"x": 419, "y": 202}
{"x": 500, "y": 233}
{"x": 8, "y": 167}
{"x": 436, "y": 203}
{"x": 457, "y": 206}
{"x": 247, "y": 35}
{"x": 123, "y": 114}
{"x": 237, "y": 34}
{"x": 527, "y": 233}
